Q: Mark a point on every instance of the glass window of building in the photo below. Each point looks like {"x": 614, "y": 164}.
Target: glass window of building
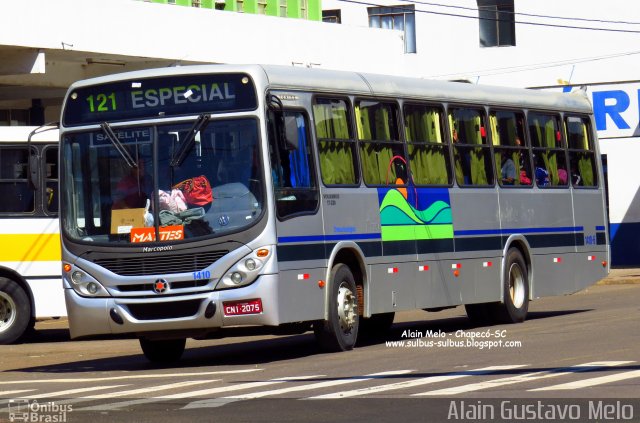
{"x": 496, "y": 23}
{"x": 401, "y": 18}
{"x": 332, "y": 16}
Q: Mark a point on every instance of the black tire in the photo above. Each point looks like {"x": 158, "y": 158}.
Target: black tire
{"x": 340, "y": 332}
{"x": 515, "y": 305}
{"x": 15, "y": 311}
{"x": 163, "y": 350}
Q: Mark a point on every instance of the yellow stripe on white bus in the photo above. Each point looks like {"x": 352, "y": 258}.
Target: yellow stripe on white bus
{"x": 30, "y": 247}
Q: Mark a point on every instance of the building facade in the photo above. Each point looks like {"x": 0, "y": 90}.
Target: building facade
{"x": 545, "y": 44}
{"x": 541, "y": 44}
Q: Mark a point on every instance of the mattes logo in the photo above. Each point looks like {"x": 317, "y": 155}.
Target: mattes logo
{"x": 24, "y": 410}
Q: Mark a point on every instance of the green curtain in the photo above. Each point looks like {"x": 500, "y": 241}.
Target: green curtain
{"x": 585, "y": 163}
{"x": 495, "y": 136}
{"x": 324, "y": 129}
{"x": 478, "y": 169}
{"x": 367, "y": 152}
{"x": 585, "y": 167}
{"x": 550, "y": 157}
{"x": 428, "y": 163}
{"x": 385, "y": 153}
{"x": 456, "y": 154}
{"x": 375, "y": 164}
{"x": 375, "y": 157}
{"x": 381, "y": 119}
{"x": 362, "y": 123}
{"x": 336, "y": 158}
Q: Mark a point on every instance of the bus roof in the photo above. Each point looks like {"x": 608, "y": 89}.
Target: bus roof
{"x": 365, "y": 84}
{"x": 423, "y": 89}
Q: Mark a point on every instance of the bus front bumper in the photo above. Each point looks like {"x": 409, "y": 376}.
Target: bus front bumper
{"x": 184, "y": 315}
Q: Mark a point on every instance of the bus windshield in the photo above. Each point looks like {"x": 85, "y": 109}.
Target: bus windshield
{"x": 128, "y": 185}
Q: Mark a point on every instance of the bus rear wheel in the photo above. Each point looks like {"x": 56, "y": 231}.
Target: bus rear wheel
{"x": 340, "y": 331}
{"x": 515, "y": 305}
{"x": 15, "y": 311}
{"x": 163, "y": 350}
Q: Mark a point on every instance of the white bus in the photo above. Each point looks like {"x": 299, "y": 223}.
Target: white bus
{"x": 198, "y": 198}
{"x": 30, "y": 267}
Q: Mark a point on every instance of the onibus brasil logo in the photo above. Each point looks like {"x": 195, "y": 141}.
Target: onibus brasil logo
{"x": 24, "y": 410}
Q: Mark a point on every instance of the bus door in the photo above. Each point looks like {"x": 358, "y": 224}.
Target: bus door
{"x": 474, "y": 210}
{"x": 301, "y": 250}
{"x": 552, "y": 234}
{"x": 587, "y": 190}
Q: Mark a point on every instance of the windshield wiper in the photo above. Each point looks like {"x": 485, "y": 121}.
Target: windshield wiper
{"x": 199, "y": 125}
{"x": 106, "y": 128}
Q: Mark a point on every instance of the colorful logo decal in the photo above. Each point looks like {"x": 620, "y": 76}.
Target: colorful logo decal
{"x": 415, "y": 213}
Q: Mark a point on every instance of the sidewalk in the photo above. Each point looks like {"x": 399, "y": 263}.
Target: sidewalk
{"x": 620, "y": 276}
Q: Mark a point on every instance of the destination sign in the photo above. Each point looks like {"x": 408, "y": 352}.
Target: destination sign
{"x": 159, "y": 97}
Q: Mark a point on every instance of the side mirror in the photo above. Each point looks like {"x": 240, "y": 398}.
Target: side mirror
{"x": 34, "y": 171}
{"x": 33, "y": 165}
{"x": 291, "y": 136}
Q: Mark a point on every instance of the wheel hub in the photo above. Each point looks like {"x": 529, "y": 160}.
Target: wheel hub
{"x": 7, "y": 312}
{"x": 516, "y": 285}
{"x": 347, "y": 309}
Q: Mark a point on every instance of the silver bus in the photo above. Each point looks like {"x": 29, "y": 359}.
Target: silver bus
{"x": 199, "y": 198}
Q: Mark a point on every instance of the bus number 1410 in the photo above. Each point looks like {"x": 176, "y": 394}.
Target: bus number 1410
{"x": 204, "y": 274}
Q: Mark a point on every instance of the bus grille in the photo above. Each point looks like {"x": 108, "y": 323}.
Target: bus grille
{"x": 198, "y": 283}
{"x": 159, "y": 311}
{"x": 149, "y": 265}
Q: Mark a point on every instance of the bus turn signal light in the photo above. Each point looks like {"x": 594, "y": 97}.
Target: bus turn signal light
{"x": 66, "y": 267}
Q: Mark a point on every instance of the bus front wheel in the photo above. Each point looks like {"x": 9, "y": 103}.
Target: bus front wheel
{"x": 15, "y": 311}
{"x": 515, "y": 305}
{"x": 340, "y": 331}
{"x": 163, "y": 350}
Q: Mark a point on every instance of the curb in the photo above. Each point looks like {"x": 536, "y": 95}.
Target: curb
{"x": 619, "y": 281}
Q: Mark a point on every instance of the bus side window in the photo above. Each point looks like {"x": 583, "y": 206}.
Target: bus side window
{"x": 292, "y": 169}
{"x": 472, "y": 153}
{"x": 51, "y": 180}
{"x": 427, "y": 147}
{"x": 581, "y": 152}
{"x": 548, "y": 150}
{"x": 511, "y": 152}
{"x": 381, "y": 151}
{"x": 336, "y": 145}
{"x": 17, "y": 196}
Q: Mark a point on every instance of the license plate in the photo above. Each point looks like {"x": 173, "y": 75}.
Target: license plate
{"x": 236, "y": 308}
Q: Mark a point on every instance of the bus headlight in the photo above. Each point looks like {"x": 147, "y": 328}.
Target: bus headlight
{"x": 84, "y": 284}
{"x": 236, "y": 277}
{"x": 77, "y": 276}
{"x": 250, "y": 264}
{"x": 246, "y": 270}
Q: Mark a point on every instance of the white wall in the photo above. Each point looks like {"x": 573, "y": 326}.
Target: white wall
{"x": 158, "y": 31}
{"x": 448, "y": 47}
